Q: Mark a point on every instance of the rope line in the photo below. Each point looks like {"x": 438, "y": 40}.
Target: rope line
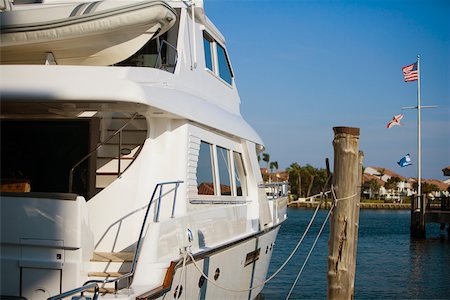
{"x": 310, "y": 251}
{"x": 274, "y": 274}
{"x": 336, "y": 200}
{"x": 183, "y": 268}
{"x": 187, "y": 252}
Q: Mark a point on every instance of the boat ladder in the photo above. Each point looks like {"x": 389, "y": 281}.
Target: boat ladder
{"x": 98, "y": 286}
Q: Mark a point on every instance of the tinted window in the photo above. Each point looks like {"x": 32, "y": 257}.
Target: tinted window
{"x": 207, "y": 42}
{"x": 224, "y": 66}
{"x": 240, "y": 174}
{"x": 224, "y": 171}
{"x": 205, "y": 179}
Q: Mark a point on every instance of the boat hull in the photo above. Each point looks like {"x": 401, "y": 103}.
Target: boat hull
{"x": 235, "y": 271}
{"x": 249, "y": 271}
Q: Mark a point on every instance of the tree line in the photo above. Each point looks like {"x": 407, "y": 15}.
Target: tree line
{"x": 303, "y": 181}
{"x": 307, "y": 180}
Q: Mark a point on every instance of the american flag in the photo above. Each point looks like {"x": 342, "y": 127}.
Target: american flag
{"x": 410, "y": 72}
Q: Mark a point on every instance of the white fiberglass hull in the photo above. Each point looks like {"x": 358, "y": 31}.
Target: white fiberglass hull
{"x": 236, "y": 271}
{"x": 91, "y": 33}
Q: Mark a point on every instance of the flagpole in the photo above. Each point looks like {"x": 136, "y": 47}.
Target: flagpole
{"x": 419, "y": 154}
{"x": 417, "y": 206}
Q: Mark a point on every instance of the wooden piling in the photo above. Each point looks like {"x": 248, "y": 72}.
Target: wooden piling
{"x": 345, "y": 217}
{"x": 418, "y": 217}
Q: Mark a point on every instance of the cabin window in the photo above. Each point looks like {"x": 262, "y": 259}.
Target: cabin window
{"x": 240, "y": 174}
{"x": 205, "y": 179}
{"x": 208, "y": 41}
{"x": 224, "y": 65}
{"x": 221, "y": 171}
{"x": 223, "y": 163}
{"x": 216, "y": 59}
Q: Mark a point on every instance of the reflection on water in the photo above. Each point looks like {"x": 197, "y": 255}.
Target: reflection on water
{"x": 429, "y": 255}
{"x": 390, "y": 265}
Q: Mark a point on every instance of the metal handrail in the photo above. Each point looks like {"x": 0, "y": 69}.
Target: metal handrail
{"x": 118, "y": 131}
{"x": 78, "y": 290}
{"x": 94, "y": 283}
{"x": 276, "y": 187}
{"x": 138, "y": 245}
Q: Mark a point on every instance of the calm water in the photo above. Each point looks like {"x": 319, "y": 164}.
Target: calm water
{"x": 390, "y": 265}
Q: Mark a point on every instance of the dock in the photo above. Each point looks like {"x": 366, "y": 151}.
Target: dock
{"x": 425, "y": 211}
{"x": 439, "y": 211}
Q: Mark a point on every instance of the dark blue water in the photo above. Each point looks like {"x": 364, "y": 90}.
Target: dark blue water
{"x": 389, "y": 264}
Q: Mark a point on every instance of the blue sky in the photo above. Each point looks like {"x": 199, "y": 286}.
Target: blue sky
{"x": 303, "y": 67}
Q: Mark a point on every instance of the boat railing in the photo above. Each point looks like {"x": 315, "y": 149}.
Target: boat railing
{"x": 275, "y": 190}
{"x": 117, "y": 132}
{"x": 81, "y": 290}
{"x": 94, "y": 283}
{"x": 159, "y": 61}
{"x": 438, "y": 203}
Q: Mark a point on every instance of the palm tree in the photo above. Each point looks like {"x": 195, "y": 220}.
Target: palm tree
{"x": 295, "y": 178}
{"x": 374, "y": 187}
{"x": 273, "y": 165}
{"x": 266, "y": 158}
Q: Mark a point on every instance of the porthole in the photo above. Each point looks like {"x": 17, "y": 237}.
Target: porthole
{"x": 217, "y": 274}
{"x": 125, "y": 151}
{"x": 201, "y": 281}
{"x": 178, "y": 292}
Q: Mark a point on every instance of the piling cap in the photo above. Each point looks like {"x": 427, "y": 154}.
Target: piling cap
{"x": 347, "y": 130}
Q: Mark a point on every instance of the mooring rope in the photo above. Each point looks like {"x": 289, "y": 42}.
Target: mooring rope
{"x": 310, "y": 251}
{"x": 274, "y": 274}
{"x": 183, "y": 268}
{"x": 189, "y": 253}
{"x": 333, "y": 205}
{"x": 336, "y": 200}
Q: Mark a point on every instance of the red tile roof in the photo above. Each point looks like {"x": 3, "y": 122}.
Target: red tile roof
{"x": 389, "y": 173}
{"x": 368, "y": 177}
{"x": 205, "y": 189}
{"x": 441, "y": 185}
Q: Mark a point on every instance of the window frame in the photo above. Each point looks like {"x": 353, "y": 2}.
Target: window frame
{"x": 207, "y": 37}
{"x": 228, "y": 70}
{"x": 243, "y": 181}
{"x": 231, "y": 148}
{"x": 228, "y": 169}
{"x": 214, "y": 48}
{"x": 213, "y": 164}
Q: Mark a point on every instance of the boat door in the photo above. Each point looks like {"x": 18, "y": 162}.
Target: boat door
{"x": 42, "y": 153}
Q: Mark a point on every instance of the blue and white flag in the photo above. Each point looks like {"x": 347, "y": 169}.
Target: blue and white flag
{"x": 405, "y": 161}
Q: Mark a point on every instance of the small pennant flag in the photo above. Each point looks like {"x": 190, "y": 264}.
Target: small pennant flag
{"x": 410, "y": 72}
{"x": 395, "y": 121}
{"x": 405, "y": 161}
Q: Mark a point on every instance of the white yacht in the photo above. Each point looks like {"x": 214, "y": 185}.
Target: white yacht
{"x": 127, "y": 170}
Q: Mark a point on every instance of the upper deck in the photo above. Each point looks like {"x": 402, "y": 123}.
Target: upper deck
{"x": 185, "y": 72}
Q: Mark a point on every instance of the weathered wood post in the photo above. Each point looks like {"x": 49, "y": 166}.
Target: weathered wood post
{"x": 345, "y": 217}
